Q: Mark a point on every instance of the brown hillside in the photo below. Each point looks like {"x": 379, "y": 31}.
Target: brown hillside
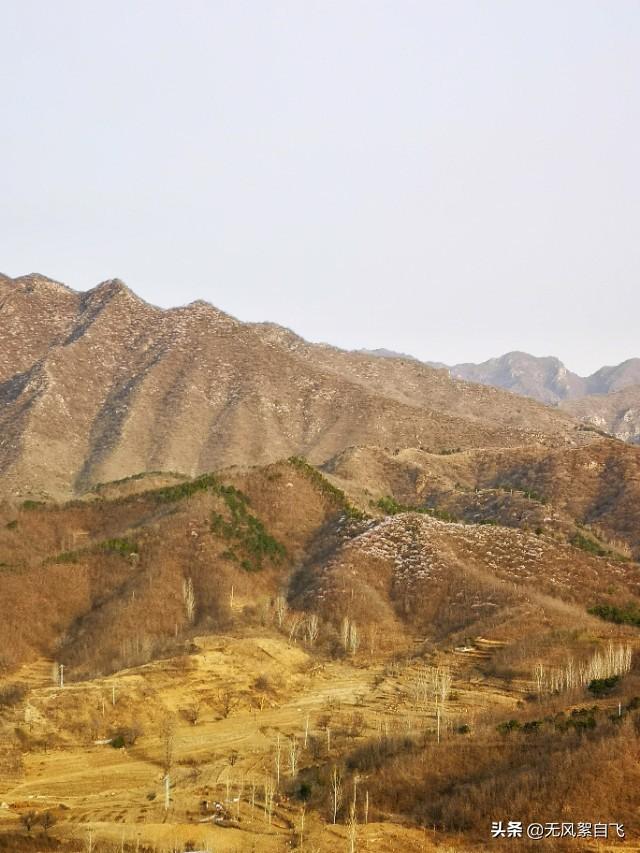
{"x": 617, "y": 412}
{"x": 410, "y": 655}
{"x": 98, "y": 386}
{"x": 597, "y": 486}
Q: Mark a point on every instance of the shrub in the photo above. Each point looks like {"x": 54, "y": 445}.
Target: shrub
{"x": 124, "y": 547}
{"x": 246, "y": 530}
{"x": 508, "y": 726}
{"x": 588, "y": 545}
{"x": 627, "y": 615}
{"x": 327, "y": 488}
{"x": 11, "y": 694}
{"x": 534, "y": 496}
{"x": 391, "y": 507}
{"x": 67, "y": 557}
{"x": 603, "y": 686}
{"x": 31, "y": 504}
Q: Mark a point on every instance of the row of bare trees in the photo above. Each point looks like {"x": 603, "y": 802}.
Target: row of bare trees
{"x": 613, "y": 660}
{"x": 308, "y": 626}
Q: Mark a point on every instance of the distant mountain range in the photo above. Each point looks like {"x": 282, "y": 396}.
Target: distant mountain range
{"x": 608, "y": 399}
{"x": 547, "y": 379}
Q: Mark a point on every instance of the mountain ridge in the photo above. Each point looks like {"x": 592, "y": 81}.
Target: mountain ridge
{"x": 608, "y": 399}
{"x": 99, "y": 385}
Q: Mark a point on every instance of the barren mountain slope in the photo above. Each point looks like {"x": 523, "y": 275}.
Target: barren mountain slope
{"x": 36, "y": 313}
{"x": 545, "y": 379}
{"x": 410, "y": 381}
{"x": 101, "y": 385}
{"x": 596, "y": 485}
{"x": 100, "y": 582}
{"x": 617, "y": 413}
{"x": 256, "y": 631}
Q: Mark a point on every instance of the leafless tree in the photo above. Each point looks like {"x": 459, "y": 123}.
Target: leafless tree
{"x": 294, "y": 624}
{"x": 189, "y": 598}
{"x": 444, "y": 684}
{"x": 354, "y": 638}
{"x": 538, "y": 675}
{"x": 336, "y": 792}
{"x": 269, "y": 790}
{"x": 344, "y": 633}
{"x": 278, "y": 759}
{"x": 167, "y": 734}
{"x": 226, "y": 701}
{"x": 281, "y": 608}
{"x": 312, "y": 628}
{"x": 167, "y": 738}
{"x": 29, "y": 819}
{"x": 302, "y": 816}
{"x": 47, "y": 820}
{"x": 293, "y": 755}
{"x": 372, "y": 638}
{"x": 352, "y": 830}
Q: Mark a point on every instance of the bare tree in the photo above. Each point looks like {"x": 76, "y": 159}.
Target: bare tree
{"x": 47, "y": 820}
{"x": 344, "y": 633}
{"x": 226, "y": 700}
{"x": 303, "y": 811}
{"x": 167, "y": 739}
{"x": 444, "y": 684}
{"x": 253, "y": 797}
{"x": 352, "y": 829}
{"x": 312, "y": 628}
{"x": 354, "y": 638}
{"x": 538, "y": 675}
{"x": 294, "y": 625}
{"x": 278, "y": 759}
{"x": 336, "y": 792}
{"x": 189, "y": 598}
{"x": 281, "y": 608}
{"x": 29, "y": 819}
{"x": 269, "y": 790}
{"x": 372, "y": 638}
{"x": 293, "y": 755}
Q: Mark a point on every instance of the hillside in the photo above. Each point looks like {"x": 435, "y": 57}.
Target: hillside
{"x": 253, "y": 633}
{"x": 617, "y": 413}
{"x": 100, "y": 385}
{"x": 562, "y": 490}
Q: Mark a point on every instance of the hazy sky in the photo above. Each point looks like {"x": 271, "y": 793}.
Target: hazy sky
{"x": 450, "y": 179}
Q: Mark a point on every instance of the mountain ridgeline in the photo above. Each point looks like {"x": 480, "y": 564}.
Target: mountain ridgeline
{"x": 100, "y": 385}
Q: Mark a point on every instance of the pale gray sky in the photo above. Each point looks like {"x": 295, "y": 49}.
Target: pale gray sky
{"x": 450, "y": 179}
